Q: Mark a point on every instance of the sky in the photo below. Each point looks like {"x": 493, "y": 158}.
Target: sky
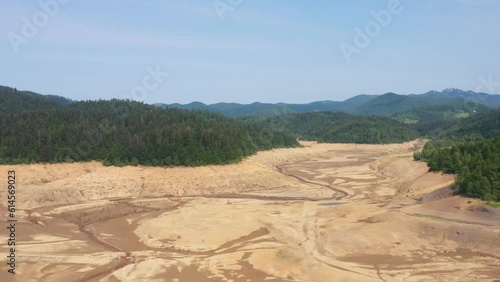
{"x": 294, "y": 51}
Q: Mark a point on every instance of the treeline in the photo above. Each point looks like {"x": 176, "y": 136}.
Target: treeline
{"x": 125, "y": 132}
{"x": 344, "y": 128}
{"x": 12, "y": 100}
{"x": 477, "y": 127}
{"x": 476, "y": 164}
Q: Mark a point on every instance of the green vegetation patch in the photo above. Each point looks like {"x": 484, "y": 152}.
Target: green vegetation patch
{"x": 331, "y": 127}
{"x": 124, "y": 133}
{"x": 476, "y": 163}
{"x": 493, "y": 204}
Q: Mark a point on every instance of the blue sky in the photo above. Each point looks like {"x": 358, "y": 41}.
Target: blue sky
{"x": 262, "y": 50}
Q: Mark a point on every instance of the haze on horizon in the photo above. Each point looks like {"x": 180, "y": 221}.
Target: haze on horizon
{"x": 247, "y": 51}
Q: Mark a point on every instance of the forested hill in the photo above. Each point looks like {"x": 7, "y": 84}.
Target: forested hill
{"x": 47, "y": 129}
{"x": 471, "y": 149}
{"x": 12, "y": 100}
{"x": 476, "y": 163}
{"x": 484, "y": 125}
{"x": 124, "y": 132}
{"x": 344, "y": 128}
{"x": 428, "y": 114}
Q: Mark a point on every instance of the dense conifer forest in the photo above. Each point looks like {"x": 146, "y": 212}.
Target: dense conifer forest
{"x": 476, "y": 164}
{"x": 12, "y": 100}
{"x": 469, "y": 148}
{"x": 36, "y": 128}
{"x": 125, "y": 132}
{"x": 332, "y": 127}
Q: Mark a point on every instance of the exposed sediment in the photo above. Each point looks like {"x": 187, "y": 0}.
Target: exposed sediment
{"x": 352, "y": 212}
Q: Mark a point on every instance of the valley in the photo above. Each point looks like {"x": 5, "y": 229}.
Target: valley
{"x": 323, "y": 212}
{"x": 250, "y": 141}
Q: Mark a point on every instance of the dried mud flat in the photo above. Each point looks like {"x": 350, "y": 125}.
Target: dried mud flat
{"x": 325, "y": 212}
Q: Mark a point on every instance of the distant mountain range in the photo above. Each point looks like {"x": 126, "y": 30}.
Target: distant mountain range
{"x": 381, "y": 105}
{"x": 387, "y": 118}
{"x": 432, "y": 105}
